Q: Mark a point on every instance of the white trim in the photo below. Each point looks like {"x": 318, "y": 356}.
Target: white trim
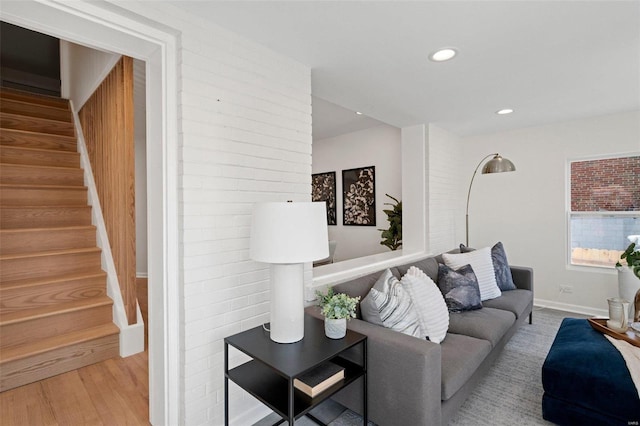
{"x": 142, "y": 275}
{"x": 585, "y": 310}
{"x": 107, "y": 27}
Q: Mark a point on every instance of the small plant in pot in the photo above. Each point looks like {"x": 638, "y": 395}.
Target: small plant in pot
{"x": 629, "y": 278}
{"x": 336, "y": 308}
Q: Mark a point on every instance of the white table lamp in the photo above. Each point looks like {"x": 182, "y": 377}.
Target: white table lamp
{"x": 287, "y": 235}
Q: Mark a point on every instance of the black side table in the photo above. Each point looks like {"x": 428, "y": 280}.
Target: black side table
{"x": 269, "y": 375}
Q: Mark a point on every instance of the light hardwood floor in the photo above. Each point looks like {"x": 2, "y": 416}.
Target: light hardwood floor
{"x": 113, "y": 392}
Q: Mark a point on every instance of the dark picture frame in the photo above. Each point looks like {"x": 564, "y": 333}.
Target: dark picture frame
{"x": 323, "y": 188}
{"x": 359, "y": 196}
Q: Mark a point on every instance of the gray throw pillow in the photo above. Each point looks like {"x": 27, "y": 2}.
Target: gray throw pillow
{"x": 500, "y": 266}
{"x": 459, "y": 288}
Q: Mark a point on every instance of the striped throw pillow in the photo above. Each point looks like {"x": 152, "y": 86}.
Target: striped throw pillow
{"x": 396, "y": 310}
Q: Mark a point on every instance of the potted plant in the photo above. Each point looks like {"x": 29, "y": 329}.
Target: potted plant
{"x": 336, "y": 308}
{"x": 392, "y": 237}
{"x": 629, "y": 278}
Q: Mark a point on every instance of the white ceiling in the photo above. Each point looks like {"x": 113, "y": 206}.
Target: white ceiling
{"x": 549, "y": 60}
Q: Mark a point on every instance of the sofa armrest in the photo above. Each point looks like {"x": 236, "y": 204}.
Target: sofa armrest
{"x": 522, "y": 277}
{"x": 403, "y": 377}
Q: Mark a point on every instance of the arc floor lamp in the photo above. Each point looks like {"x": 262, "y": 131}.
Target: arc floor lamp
{"x": 497, "y": 164}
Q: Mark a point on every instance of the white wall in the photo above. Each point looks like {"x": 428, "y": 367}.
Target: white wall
{"x": 82, "y": 69}
{"x": 526, "y": 209}
{"x": 380, "y": 147}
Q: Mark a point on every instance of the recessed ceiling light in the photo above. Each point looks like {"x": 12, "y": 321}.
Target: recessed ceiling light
{"x": 358, "y": 113}
{"x": 443, "y": 54}
{"x": 504, "y": 111}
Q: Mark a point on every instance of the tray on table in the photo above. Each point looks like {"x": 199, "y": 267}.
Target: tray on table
{"x": 630, "y": 336}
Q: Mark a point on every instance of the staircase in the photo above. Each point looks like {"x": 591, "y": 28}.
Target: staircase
{"x": 55, "y": 315}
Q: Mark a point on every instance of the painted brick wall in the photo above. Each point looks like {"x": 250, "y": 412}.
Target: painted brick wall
{"x": 611, "y": 184}
{"x": 245, "y": 130}
{"x": 446, "y": 211}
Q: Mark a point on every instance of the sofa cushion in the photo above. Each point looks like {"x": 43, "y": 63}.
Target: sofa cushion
{"x": 459, "y": 288}
{"x": 430, "y": 305}
{"x": 428, "y": 265}
{"x": 389, "y": 305}
{"x": 482, "y": 264}
{"x": 516, "y": 301}
{"x": 486, "y": 323}
{"x": 461, "y": 357}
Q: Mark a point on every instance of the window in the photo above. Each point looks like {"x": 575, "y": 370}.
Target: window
{"x": 604, "y": 212}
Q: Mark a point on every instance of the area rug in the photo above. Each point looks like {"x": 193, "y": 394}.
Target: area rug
{"x": 511, "y": 392}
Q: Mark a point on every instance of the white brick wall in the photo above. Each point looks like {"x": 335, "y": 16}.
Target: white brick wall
{"x": 446, "y": 203}
{"x": 245, "y": 130}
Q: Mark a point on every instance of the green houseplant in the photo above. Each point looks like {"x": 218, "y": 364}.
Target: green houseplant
{"x": 632, "y": 255}
{"x": 336, "y": 308}
{"x": 629, "y": 279}
{"x": 392, "y": 237}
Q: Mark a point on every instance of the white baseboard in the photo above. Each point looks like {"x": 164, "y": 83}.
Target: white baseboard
{"x": 251, "y": 416}
{"x": 142, "y": 275}
{"x": 132, "y": 336}
{"x": 584, "y": 310}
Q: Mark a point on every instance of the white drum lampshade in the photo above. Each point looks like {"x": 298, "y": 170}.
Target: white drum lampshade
{"x": 287, "y": 235}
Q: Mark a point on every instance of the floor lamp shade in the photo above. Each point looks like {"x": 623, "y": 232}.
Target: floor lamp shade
{"x": 497, "y": 164}
{"x": 287, "y": 235}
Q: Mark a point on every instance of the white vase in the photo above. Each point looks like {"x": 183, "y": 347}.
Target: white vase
{"x": 335, "y": 328}
{"x": 628, "y": 286}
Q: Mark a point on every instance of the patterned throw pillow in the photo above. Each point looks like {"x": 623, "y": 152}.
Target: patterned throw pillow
{"x": 500, "y": 266}
{"x": 393, "y": 307}
{"x": 430, "y": 305}
{"x": 480, "y": 261}
{"x": 460, "y": 288}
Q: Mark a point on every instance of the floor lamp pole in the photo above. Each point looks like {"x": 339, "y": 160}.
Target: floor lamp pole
{"x": 469, "y": 194}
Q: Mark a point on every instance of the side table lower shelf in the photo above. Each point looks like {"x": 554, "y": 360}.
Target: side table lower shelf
{"x": 271, "y": 389}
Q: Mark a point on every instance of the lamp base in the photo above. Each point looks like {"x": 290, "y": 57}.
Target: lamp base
{"x": 287, "y": 302}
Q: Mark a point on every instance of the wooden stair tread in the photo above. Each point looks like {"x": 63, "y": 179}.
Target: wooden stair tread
{"x": 49, "y": 253}
{"x": 30, "y": 109}
{"x": 32, "y": 282}
{"x": 37, "y": 150}
{"x": 52, "y": 310}
{"x": 56, "y": 342}
{"x": 37, "y": 98}
{"x": 47, "y": 228}
{"x": 40, "y": 186}
{"x": 39, "y": 166}
{"x": 34, "y": 133}
{"x": 56, "y": 207}
{"x": 43, "y": 125}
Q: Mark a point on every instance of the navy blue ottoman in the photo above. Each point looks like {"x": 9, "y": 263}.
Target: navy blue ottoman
{"x": 586, "y": 381}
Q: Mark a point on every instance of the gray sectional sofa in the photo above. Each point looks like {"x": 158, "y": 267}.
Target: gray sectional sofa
{"x": 414, "y": 382}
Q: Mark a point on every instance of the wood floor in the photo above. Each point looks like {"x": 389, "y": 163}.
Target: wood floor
{"x": 113, "y": 392}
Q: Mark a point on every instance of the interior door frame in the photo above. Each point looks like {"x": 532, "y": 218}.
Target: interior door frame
{"x": 104, "y": 26}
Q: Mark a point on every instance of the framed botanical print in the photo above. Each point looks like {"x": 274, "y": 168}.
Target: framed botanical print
{"x": 359, "y": 196}
{"x": 324, "y": 189}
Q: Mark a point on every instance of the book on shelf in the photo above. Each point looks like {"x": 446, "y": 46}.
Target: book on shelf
{"x": 319, "y": 379}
